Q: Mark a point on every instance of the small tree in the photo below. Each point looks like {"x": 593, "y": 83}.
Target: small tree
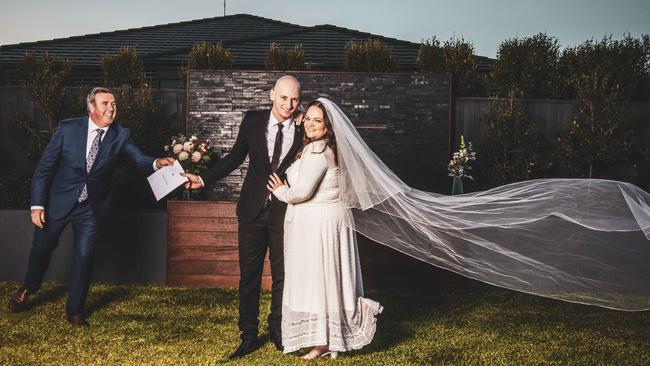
{"x": 603, "y": 76}
{"x": 431, "y": 56}
{"x": 528, "y": 65}
{"x": 512, "y": 147}
{"x": 369, "y": 56}
{"x": 279, "y": 58}
{"x": 207, "y": 56}
{"x": 46, "y": 78}
{"x": 123, "y": 68}
{"x": 455, "y": 56}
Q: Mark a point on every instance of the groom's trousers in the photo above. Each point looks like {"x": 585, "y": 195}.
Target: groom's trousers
{"x": 84, "y": 226}
{"x": 266, "y": 231}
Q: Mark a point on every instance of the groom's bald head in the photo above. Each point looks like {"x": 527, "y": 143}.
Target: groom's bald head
{"x": 285, "y": 96}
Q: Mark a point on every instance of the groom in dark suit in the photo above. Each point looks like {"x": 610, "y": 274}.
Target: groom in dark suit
{"x": 270, "y": 139}
{"x": 71, "y": 184}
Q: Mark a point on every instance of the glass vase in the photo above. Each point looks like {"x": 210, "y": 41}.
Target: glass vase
{"x": 457, "y": 186}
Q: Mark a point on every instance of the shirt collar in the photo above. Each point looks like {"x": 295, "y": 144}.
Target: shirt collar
{"x": 92, "y": 127}
{"x": 273, "y": 121}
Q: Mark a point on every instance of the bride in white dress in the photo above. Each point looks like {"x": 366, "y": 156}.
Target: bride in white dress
{"x": 576, "y": 240}
{"x": 322, "y": 305}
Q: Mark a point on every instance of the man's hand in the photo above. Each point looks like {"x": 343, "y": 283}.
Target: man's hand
{"x": 275, "y": 182}
{"x": 164, "y": 162}
{"x": 194, "y": 181}
{"x": 38, "y": 217}
{"x": 298, "y": 116}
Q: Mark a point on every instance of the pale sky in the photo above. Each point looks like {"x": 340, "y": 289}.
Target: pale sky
{"x": 486, "y": 23}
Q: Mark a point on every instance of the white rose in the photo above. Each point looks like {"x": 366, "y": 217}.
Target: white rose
{"x": 188, "y": 146}
{"x": 196, "y": 156}
{"x": 183, "y": 156}
{"x": 177, "y": 148}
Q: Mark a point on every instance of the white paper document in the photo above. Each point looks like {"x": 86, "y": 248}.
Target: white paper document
{"x": 166, "y": 179}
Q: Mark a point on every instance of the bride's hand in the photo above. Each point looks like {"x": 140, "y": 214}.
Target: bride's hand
{"x": 275, "y": 182}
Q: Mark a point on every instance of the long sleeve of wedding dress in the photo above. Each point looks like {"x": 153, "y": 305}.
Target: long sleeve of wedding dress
{"x": 312, "y": 170}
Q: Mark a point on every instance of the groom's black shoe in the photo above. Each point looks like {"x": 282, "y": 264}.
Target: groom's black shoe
{"x": 246, "y": 347}
{"x": 276, "y": 338}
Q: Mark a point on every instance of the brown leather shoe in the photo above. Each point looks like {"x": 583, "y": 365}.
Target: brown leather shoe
{"x": 77, "y": 321}
{"x": 18, "y": 300}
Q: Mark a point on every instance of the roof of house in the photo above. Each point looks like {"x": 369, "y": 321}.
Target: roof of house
{"x": 324, "y": 47}
{"x": 88, "y": 49}
{"x": 247, "y": 36}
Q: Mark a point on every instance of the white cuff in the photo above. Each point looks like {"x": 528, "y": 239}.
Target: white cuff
{"x": 37, "y": 208}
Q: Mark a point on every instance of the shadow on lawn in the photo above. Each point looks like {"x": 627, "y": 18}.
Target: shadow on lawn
{"x": 107, "y": 297}
{"x": 45, "y": 296}
{"x": 402, "y": 313}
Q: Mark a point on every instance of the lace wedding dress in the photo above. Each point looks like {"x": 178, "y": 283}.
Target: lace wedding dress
{"x": 323, "y": 301}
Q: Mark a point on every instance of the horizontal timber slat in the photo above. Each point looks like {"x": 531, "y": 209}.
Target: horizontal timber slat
{"x": 201, "y": 209}
{"x": 207, "y": 267}
{"x": 213, "y": 238}
{"x": 220, "y": 281}
{"x": 195, "y": 224}
{"x": 203, "y": 252}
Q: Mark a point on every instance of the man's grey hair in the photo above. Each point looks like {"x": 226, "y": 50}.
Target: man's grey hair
{"x": 90, "y": 99}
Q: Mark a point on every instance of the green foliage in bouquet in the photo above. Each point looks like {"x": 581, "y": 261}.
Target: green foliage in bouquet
{"x": 459, "y": 165}
{"x": 193, "y": 154}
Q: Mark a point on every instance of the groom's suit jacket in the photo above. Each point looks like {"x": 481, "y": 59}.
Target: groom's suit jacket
{"x": 251, "y": 141}
{"x": 61, "y": 172}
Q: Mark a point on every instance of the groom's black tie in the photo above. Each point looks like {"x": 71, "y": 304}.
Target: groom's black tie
{"x": 277, "y": 148}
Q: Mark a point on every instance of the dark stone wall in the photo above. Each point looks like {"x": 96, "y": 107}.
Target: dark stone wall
{"x": 404, "y": 117}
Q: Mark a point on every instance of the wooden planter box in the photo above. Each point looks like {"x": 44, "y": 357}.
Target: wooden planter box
{"x": 202, "y": 251}
{"x": 202, "y": 245}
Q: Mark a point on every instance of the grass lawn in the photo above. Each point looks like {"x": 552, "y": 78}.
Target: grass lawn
{"x": 177, "y": 326}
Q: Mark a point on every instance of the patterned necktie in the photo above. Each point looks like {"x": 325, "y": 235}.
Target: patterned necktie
{"x": 277, "y": 148}
{"x": 90, "y": 159}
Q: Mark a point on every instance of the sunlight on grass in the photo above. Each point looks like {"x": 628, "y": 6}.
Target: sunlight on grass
{"x": 175, "y": 326}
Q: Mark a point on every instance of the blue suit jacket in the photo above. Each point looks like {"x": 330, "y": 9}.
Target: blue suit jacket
{"x": 61, "y": 172}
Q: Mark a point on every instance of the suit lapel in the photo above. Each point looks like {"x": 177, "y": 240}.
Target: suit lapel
{"x": 291, "y": 154}
{"x": 105, "y": 145}
{"x": 260, "y": 138}
{"x": 82, "y": 137}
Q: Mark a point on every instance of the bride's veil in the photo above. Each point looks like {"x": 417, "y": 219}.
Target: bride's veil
{"x": 578, "y": 240}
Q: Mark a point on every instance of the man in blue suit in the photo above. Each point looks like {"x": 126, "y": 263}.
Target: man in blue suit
{"x": 71, "y": 184}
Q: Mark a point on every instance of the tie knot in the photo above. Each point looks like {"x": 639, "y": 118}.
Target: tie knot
{"x": 280, "y": 126}
{"x": 100, "y": 132}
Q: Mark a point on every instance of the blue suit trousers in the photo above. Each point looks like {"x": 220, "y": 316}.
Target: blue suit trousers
{"x": 84, "y": 225}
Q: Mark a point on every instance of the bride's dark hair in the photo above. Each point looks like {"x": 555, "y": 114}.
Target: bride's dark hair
{"x": 329, "y": 136}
